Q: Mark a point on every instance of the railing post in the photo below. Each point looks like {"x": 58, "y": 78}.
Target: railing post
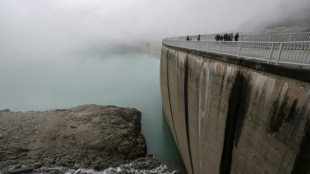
{"x": 220, "y": 47}
{"x": 239, "y": 52}
{"x": 290, "y": 38}
{"x": 279, "y": 54}
{"x": 271, "y": 52}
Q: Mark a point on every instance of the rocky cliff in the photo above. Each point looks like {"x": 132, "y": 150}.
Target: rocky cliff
{"x": 88, "y": 136}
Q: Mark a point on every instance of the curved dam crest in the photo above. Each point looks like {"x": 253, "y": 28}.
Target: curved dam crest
{"x": 227, "y": 118}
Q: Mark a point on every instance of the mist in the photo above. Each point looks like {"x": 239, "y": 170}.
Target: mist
{"x": 287, "y": 16}
{"x": 33, "y": 28}
{"x": 65, "y": 53}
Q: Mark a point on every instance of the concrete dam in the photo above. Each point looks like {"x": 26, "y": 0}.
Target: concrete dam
{"x": 229, "y": 114}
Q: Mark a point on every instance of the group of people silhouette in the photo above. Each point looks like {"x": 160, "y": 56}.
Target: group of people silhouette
{"x": 190, "y": 37}
{"x": 219, "y": 37}
{"x": 227, "y": 37}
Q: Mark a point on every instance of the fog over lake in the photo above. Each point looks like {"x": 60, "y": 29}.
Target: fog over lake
{"x": 40, "y": 84}
{"x": 58, "y": 54}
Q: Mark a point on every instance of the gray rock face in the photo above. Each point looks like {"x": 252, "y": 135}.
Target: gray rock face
{"x": 88, "y": 136}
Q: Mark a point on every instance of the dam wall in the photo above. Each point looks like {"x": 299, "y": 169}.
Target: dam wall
{"x": 234, "y": 116}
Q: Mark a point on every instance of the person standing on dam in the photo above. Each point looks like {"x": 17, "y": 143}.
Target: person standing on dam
{"x": 236, "y": 37}
{"x": 217, "y": 37}
{"x": 198, "y": 37}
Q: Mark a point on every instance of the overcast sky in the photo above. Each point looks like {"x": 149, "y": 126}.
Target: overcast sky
{"x": 27, "y": 24}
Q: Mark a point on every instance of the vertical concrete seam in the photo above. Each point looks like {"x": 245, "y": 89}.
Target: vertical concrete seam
{"x": 186, "y": 110}
{"x": 175, "y": 133}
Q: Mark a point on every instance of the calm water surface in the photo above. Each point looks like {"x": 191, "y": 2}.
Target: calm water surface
{"x": 128, "y": 80}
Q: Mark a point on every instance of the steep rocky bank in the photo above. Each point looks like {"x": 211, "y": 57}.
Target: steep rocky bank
{"x": 88, "y": 136}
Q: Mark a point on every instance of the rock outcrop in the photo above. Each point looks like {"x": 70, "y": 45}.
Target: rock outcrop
{"x": 88, "y": 136}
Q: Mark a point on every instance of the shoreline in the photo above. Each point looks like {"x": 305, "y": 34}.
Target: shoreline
{"x": 87, "y": 136}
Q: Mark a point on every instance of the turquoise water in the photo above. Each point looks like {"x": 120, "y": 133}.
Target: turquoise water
{"x": 128, "y": 80}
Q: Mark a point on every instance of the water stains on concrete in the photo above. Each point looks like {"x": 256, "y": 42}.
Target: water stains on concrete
{"x": 302, "y": 160}
{"x": 232, "y": 116}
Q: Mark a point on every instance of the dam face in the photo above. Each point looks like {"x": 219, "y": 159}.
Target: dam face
{"x": 229, "y": 118}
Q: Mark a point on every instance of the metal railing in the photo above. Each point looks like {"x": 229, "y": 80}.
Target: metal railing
{"x": 271, "y": 52}
{"x": 206, "y": 37}
{"x": 283, "y": 37}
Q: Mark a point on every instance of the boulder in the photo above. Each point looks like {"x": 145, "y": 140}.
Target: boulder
{"x": 87, "y": 136}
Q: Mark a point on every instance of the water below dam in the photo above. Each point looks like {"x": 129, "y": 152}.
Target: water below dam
{"x": 127, "y": 80}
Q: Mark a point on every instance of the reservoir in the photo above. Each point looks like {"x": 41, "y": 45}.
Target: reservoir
{"x": 33, "y": 83}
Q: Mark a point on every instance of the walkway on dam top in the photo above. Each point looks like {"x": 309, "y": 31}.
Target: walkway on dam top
{"x": 280, "y": 49}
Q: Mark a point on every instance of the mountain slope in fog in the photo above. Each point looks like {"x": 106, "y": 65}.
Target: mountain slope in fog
{"x": 288, "y": 15}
